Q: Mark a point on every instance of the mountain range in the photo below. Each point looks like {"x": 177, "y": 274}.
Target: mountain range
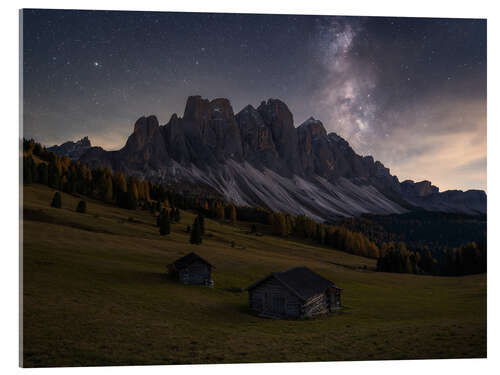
{"x": 258, "y": 157}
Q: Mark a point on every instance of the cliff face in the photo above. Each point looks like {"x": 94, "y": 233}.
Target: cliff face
{"x": 258, "y": 157}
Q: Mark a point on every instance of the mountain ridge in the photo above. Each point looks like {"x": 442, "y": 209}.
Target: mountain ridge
{"x": 258, "y": 157}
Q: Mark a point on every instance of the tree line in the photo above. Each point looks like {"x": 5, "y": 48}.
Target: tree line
{"x": 384, "y": 238}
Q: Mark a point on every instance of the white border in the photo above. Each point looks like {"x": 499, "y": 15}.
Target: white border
{"x": 10, "y": 193}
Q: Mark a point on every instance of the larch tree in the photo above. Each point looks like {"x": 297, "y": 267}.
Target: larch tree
{"x": 232, "y": 213}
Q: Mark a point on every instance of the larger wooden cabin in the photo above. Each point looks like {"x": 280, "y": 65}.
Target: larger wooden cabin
{"x": 295, "y": 293}
{"x": 191, "y": 269}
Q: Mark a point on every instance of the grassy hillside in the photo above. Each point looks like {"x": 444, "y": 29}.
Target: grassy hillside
{"x": 95, "y": 293}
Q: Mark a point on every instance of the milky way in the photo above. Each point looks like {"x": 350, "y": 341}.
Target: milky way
{"x": 411, "y": 92}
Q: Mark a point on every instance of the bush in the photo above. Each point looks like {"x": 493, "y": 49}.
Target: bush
{"x": 82, "y": 207}
{"x": 56, "y": 200}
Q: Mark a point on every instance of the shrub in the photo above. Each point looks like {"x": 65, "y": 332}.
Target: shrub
{"x": 56, "y": 200}
{"x": 82, "y": 207}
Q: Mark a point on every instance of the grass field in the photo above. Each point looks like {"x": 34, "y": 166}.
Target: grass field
{"x": 95, "y": 293}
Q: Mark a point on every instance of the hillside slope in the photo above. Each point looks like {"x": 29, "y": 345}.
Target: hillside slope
{"x": 95, "y": 293}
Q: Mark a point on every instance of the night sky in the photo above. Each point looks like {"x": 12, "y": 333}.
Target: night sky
{"x": 411, "y": 92}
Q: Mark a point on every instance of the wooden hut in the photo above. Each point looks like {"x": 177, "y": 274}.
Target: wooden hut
{"x": 191, "y": 269}
{"x": 295, "y": 293}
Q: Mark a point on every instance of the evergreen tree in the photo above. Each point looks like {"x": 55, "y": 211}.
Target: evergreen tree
{"x": 164, "y": 224}
{"x": 82, "y": 207}
{"x": 195, "y": 237}
{"x": 28, "y": 169}
{"x": 201, "y": 222}
{"x": 131, "y": 202}
{"x": 43, "y": 174}
{"x": 56, "y": 200}
{"x": 54, "y": 174}
{"x": 177, "y": 215}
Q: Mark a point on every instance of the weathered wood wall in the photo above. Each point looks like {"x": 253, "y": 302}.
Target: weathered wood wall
{"x": 272, "y": 298}
{"x": 316, "y": 305}
{"x": 334, "y": 296}
{"x": 197, "y": 273}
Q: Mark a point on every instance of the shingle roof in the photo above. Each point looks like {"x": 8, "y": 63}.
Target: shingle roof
{"x": 301, "y": 281}
{"x": 188, "y": 260}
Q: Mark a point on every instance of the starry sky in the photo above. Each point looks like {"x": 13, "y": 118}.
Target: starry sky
{"x": 409, "y": 91}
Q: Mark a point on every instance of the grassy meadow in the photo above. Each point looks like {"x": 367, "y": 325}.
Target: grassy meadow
{"x": 95, "y": 292}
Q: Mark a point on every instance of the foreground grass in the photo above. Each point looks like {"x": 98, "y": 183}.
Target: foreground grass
{"x": 95, "y": 293}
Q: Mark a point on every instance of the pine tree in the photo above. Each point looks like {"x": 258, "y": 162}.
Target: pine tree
{"x": 201, "y": 222}
{"x": 27, "y": 170}
{"x": 43, "y": 174}
{"x": 160, "y": 216}
{"x": 53, "y": 172}
{"x": 131, "y": 203}
{"x": 195, "y": 237}
{"x": 82, "y": 207}
{"x": 164, "y": 224}
{"x": 56, "y": 200}
{"x": 34, "y": 170}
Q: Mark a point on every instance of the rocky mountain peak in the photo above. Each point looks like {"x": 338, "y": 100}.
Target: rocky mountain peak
{"x": 274, "y": 111}
{"x": 258, "y": 157}
{"x": 221, "y": 108}
{"x": 146, "y": 126}
{"x": 200, "y": 110}
{"x": 196, "y": 109}
{"x": 419, "y": 189}
{"x": 73, "y": 149}
{"x": 84, "y": 142}
{"x": 314, "y": 127}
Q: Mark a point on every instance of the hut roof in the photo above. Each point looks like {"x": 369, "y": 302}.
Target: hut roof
{"x": 189, "y": 259}
{"x": 301, "y": 281}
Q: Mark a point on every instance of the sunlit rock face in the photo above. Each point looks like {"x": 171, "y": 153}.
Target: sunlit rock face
{"x": 258, "y": 157}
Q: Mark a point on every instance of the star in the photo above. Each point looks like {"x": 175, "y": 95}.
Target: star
{"x": 97, "y": 64}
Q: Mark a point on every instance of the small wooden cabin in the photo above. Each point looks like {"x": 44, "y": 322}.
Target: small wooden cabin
{"x": 295, "y": 293}
{"x": 191, "y": 269}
